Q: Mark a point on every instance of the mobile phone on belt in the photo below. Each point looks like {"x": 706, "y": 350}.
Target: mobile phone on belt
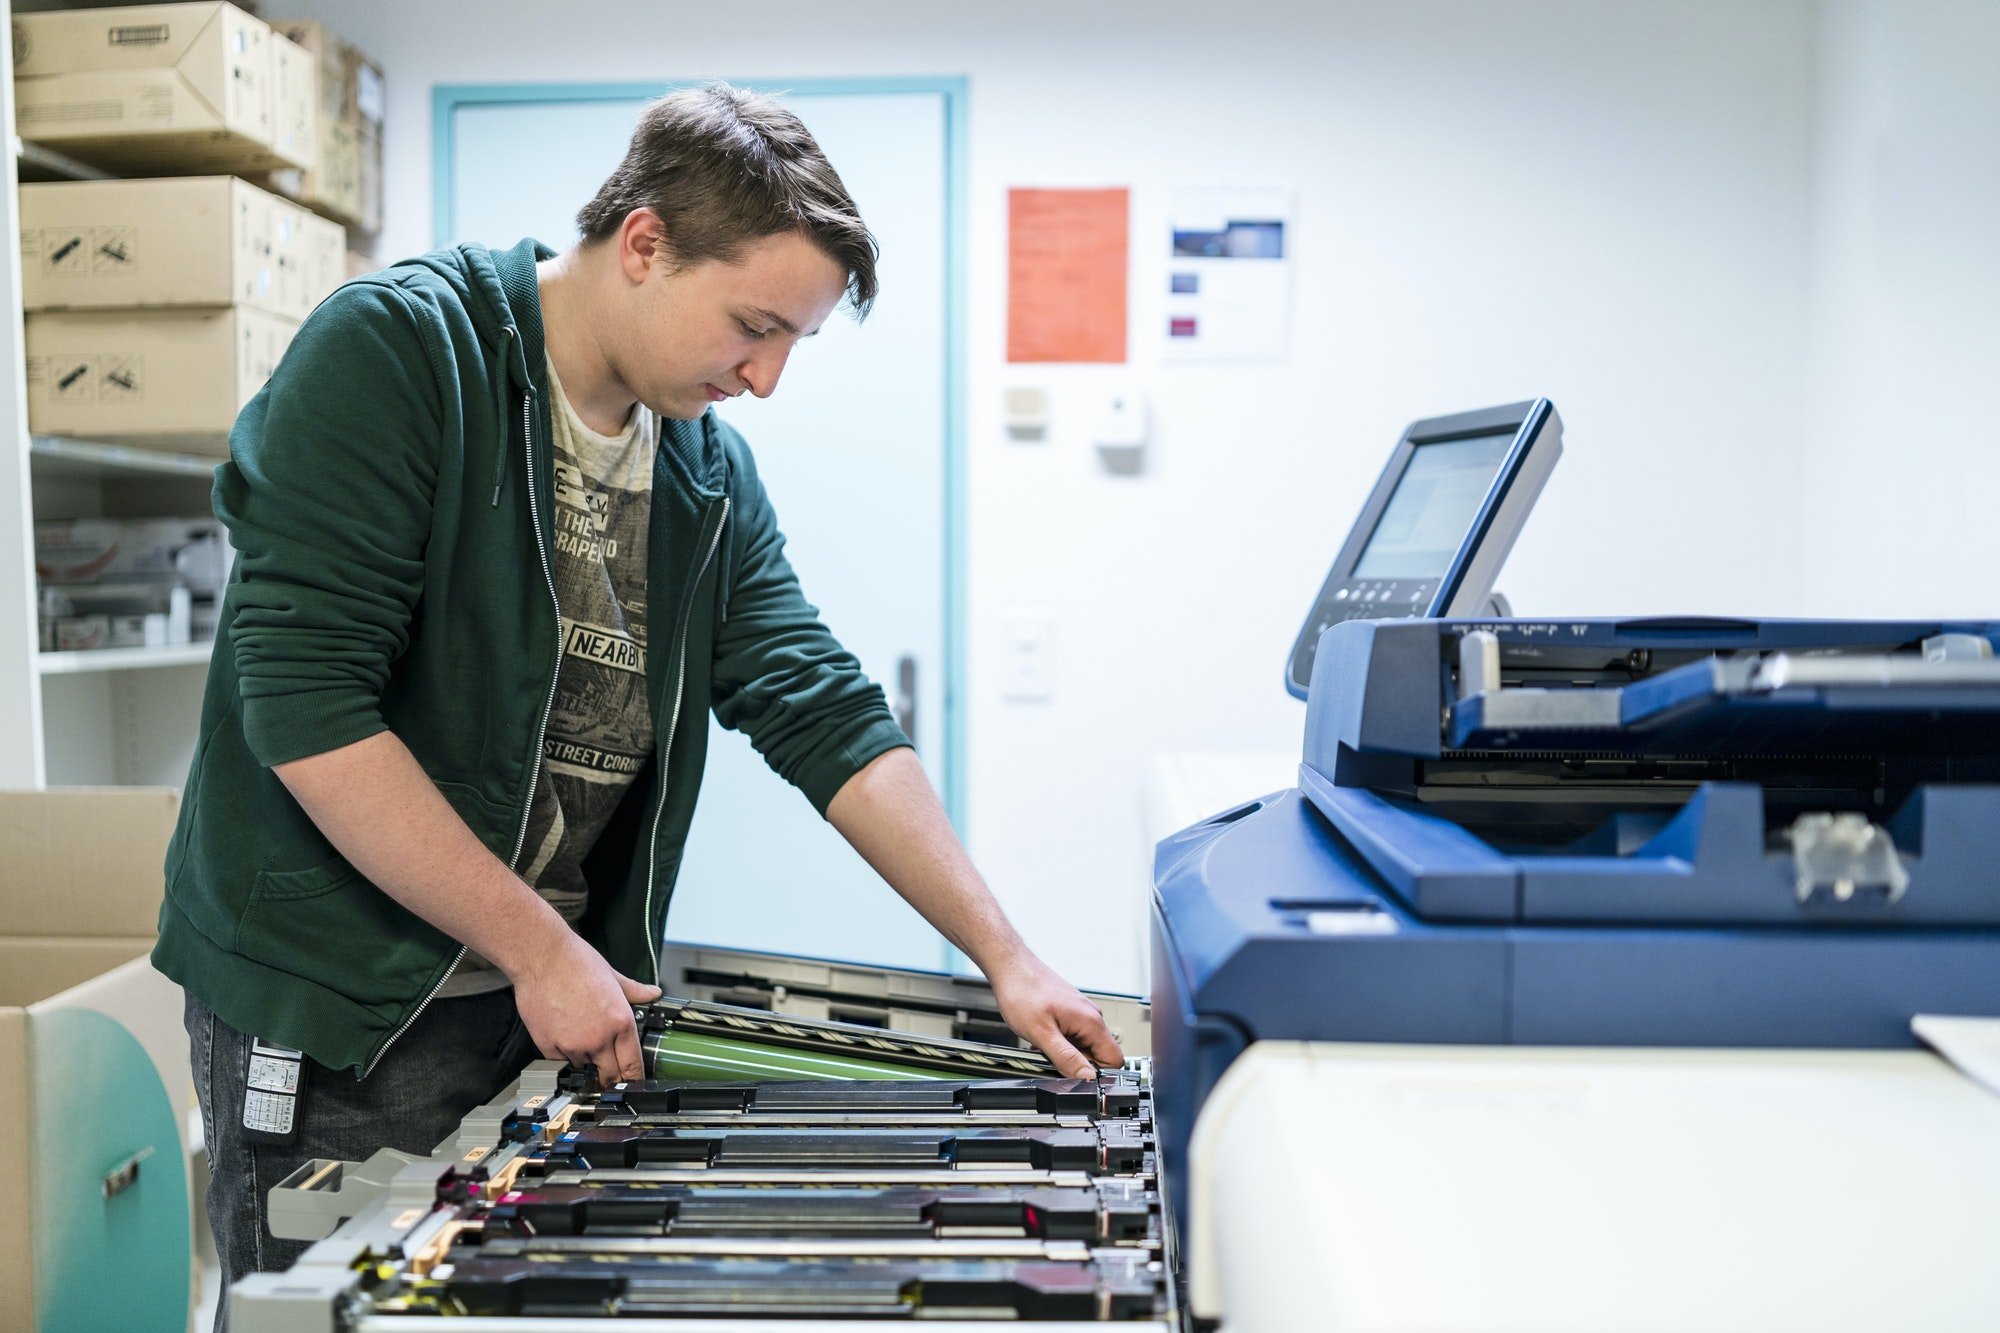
{"x": 274, "y": 1086}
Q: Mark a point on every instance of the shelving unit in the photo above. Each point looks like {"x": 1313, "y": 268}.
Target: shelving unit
{"x": 58, "y": 456}
{"x": 23, "y": 760}
{"x": 123, "y": 659}
{"x": 117, "y": 715}
{"x": 112, "y": 716}
{"x": 37, "y": 162}
{"x": 126, "y": 715}
{"x": 108, "y": 716}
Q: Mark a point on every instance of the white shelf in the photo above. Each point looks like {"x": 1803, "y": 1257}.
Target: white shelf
{"x": 123, "y": 659}
{"x": 59, "y": 453}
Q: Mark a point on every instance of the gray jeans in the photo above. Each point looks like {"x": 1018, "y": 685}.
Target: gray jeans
{"x": 458, "y": 1054}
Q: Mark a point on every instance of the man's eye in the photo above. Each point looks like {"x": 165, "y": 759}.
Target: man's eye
{"x": 749, "y": 332}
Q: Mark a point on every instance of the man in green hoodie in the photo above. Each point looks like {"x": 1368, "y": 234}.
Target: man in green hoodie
{"x": 495, "y": 558}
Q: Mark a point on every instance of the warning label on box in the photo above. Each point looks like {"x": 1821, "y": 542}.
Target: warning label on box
{"x": 111, "y": 249}
{"x": 122, "y": 378}
{"x": 74, "y": 379}
{"x": 65, "y": 252}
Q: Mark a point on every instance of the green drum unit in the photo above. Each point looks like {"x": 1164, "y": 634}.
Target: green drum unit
{"x": 693, "y": 1039}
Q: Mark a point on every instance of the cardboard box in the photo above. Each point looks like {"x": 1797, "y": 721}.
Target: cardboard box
{"x": 351, "y": 87}
{"x": 160, "y": 88}
{"x": 369, "y": 170}
{"x": 162, "y": 378}
{"x": 345, "y": 184}
{"x": 179, "y": 241}
{"x": 313, "y": 251}
{"x": 94, "y": 1057}
{"x": 294, "y": 103}
{"x": 333, "y": 188}
{"x": 85, "y": 860}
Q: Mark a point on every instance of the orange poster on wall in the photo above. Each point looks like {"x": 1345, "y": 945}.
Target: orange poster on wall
{"x": 1066, "y": 259}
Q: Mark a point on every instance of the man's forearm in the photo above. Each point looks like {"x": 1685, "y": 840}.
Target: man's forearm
{"x": 379, "y": 809}
{"x": 889, "y": 813}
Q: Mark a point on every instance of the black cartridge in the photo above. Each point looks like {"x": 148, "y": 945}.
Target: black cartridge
{"x": 1109, "y": 1212}
{"x": 1115, "y": 1148}
{"x": 1098, "y": 1285}
{"x": 1114, "y": 1095}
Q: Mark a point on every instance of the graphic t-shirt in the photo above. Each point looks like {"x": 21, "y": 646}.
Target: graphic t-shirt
{"x": 600, "y": 730}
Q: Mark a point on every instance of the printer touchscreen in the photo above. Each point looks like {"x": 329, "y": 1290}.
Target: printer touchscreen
{"x": 1432, "y": 508}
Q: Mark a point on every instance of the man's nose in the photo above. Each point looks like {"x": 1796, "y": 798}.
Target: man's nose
{"x": 760, "y": 374}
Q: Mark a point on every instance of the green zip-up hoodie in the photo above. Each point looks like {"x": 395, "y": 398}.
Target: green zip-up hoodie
{"x": 390, "y": 497}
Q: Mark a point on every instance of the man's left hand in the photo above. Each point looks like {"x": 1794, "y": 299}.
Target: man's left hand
{"x": 1051, "y": 1013}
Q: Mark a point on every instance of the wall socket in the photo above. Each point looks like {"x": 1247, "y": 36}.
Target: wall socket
{"x": 1027, "y": 657}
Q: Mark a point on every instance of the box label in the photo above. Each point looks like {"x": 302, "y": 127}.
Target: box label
{"x": 139, "y": 34}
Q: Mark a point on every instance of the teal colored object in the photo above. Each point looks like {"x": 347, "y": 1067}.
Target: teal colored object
{"x": 117, "y": 1262}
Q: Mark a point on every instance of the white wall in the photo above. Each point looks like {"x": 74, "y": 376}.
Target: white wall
{"x": 1604, "y": 203}
{"x": 1904, "y": 460}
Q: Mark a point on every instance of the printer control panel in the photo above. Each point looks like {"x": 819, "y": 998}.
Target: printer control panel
{"x": 1376, "y": 599}
{"x": 1359, "y": 599}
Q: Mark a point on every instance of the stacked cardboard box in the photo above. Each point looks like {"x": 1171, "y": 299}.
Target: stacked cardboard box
{"x": 94, "y": 1058}
{"x": 157, "y": 308}
{"x": 166, "y": 88}
{"x": 169, "y": 379}
{"x": 346, "y": 182}
{"x": 175, "y": 241}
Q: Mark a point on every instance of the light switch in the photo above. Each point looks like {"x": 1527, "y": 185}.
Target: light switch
{"x": 1028, "y": 658}
{"x": 1027, "y": 412}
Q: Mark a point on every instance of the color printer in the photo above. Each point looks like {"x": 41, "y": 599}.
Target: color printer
{"x": 1573, "y": 985}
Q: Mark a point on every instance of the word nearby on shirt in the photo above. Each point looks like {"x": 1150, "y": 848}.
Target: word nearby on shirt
{"x": 595, "y": 643}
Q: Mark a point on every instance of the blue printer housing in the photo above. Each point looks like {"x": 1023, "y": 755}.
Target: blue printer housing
{"x": 1624, "y": 833}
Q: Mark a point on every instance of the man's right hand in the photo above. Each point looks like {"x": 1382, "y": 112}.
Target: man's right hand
{"x": 380, "y": 810}
{"x": 577, "y": 1008}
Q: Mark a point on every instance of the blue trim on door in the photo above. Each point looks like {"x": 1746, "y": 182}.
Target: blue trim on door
{"x": 956, "y": 156}
{"x": 447, "y": 98}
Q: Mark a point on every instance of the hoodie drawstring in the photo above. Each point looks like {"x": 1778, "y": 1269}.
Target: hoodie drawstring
{"x": 500, "y": 411}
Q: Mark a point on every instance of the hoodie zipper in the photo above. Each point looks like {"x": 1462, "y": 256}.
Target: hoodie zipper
{"x": 664, "y": 751}
{"x": 521, "y": 837}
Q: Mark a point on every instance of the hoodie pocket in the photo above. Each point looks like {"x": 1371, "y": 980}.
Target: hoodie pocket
{"x": 329, "y": 925}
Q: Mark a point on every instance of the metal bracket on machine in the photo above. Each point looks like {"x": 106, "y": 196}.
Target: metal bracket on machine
{"x": 1845, "y": 857}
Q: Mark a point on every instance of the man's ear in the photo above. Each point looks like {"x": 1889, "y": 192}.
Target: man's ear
{"x": 642, "y": 244}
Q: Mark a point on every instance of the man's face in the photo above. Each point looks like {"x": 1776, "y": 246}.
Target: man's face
{"x": 715, "y": 330}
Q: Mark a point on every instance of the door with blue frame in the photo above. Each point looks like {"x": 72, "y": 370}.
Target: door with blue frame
{"x": 856, "y": 448}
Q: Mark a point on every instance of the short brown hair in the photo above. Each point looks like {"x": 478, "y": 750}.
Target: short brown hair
{"x": 724, "y": 167}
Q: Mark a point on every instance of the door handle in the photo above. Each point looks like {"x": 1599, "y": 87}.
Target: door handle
{"x": 906, "y": 696}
